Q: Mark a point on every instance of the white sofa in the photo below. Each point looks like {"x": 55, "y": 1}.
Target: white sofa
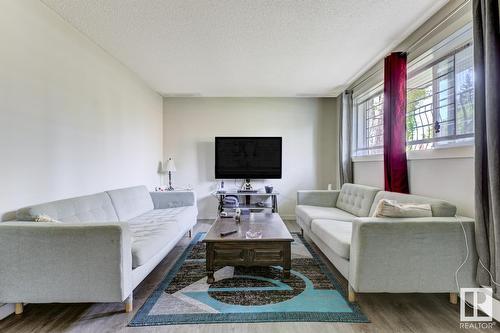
{"x": 397, "y": 255}
{"x": 105, "y": 246}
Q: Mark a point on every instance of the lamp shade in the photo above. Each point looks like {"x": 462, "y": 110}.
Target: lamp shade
{"x": 170, "y": 165}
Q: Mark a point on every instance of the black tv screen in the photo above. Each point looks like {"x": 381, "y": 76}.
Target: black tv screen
{"x": 247, "y": 157}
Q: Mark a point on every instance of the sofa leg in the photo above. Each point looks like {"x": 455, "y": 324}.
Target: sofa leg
{"x": 190, "y": 233}
{"x": 453, "y": 298}
{"x": 351, "y": 295}
{"x": 302, "y": 232}
{"x": 129, "y": 303}
{"x": 19, "y": 308}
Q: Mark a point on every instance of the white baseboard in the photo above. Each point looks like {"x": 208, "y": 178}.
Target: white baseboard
{"x": 6, "y": 310}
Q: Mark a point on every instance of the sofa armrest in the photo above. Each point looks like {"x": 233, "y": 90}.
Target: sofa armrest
{"x": 162, "y": 200}
{"x": 411, "y": 254}
{"x": 321, "y": 198}
{"x": 62, "y": 262}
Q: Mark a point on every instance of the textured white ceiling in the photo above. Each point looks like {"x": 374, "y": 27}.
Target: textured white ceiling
{"x": 247, "y": 47}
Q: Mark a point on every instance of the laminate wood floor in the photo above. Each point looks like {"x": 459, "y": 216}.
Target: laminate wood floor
{"x": 387, "y": 312}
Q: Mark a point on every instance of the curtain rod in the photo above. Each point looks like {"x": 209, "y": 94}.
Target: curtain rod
{"x": 418, "y": 41}
{"x": 456, "y": 10}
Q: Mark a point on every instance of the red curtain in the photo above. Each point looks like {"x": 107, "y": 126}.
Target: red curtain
{"x": 395, "y": 166}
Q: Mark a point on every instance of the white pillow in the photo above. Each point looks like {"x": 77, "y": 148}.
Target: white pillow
{"x": 391, "y": 208}
{"x": 45, "y": 218}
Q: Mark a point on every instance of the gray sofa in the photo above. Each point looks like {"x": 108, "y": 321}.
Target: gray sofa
{"x": 105, "y": 246}
{"x": 397, "y": 255}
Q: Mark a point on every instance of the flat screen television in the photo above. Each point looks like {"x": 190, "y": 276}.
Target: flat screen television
{"x": 248, "y": 157}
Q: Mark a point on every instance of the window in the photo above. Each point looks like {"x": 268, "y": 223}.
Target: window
{"x": 440, "y": 96}
{"x": 440, "y": 101}
{"x": 369, "y": 125}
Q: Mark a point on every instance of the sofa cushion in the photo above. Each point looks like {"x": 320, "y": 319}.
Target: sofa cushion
{"x": 309, "y": 213}
{"x": 172, "y": 215}
{"x": 131, "y": 202}
{"x": 149, "y": 240}
{"x": 356, "y": 199}
{"x": 156, "y": 229}
{"x": 440, "y": 208}
{"x": 90, "y": 208}
{"x": 335, "y": 234}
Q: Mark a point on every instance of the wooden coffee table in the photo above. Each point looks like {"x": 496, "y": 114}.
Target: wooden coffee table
{"x": 273, "y": 248}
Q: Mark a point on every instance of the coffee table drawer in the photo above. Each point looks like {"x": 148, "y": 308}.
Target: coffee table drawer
{"x": 225, "y": 255}
{"x": 267, "y": 255}
{"x": 248, "y": 254}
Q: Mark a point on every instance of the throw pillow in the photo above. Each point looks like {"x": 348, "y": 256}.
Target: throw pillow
{"x": 45, "y": 218}
{"x": 391, "y": 208}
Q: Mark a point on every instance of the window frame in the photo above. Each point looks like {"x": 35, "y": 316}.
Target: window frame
{"x": 364, "y": 150}
{"x": 435, "y": 103}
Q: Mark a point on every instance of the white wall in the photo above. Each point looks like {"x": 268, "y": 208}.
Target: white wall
{"x": 307, "y": 125}
{"x": 73, "y": 120}
{"x": 447, "y": 178}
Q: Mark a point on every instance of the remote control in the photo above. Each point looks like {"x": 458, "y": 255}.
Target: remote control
{"x": 227, "y": 233}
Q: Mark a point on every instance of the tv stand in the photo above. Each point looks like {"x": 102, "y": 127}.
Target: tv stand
{"x": 246, "y": 204}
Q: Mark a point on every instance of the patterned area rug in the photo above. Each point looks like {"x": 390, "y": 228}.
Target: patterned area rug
{"x": 255, "y": 294}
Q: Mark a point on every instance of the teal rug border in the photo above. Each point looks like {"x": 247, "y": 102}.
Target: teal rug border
{"x": 142, "y": 318}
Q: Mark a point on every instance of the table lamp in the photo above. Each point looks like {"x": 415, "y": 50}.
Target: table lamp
{"x": 170, "y": 168}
